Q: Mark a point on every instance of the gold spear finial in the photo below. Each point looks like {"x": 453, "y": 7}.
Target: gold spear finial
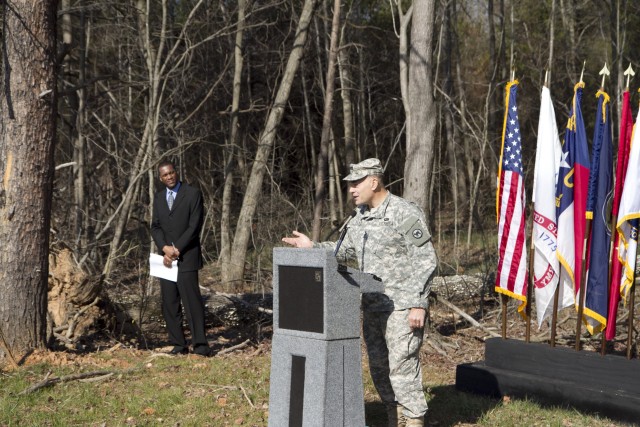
{"x": 604, "y": 73}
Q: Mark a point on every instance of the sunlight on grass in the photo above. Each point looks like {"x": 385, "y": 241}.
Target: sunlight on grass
{"x": 190, "y": 390}
{"x": 151, "y": 389}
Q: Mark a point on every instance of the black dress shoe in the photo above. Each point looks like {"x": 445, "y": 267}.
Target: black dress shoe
{"x": 203, "y": 350}
{"x": 179, "y": 350}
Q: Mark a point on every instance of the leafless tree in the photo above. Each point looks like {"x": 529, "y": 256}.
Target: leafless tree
{"x": 27, "y": 135}
{"x": 421, "y": 123}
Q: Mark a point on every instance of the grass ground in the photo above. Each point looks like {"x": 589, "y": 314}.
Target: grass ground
{"x": 147, "y": 388}
{"x": 133, "y": 387}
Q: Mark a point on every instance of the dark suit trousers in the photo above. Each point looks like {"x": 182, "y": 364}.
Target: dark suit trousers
{"x": 185, "y": 292}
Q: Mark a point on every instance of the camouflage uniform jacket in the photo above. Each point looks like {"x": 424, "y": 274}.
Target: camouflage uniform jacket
{"x": 393, "y": 243}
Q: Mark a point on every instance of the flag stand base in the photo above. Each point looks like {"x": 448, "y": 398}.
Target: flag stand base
{"x": 607, "y": 385}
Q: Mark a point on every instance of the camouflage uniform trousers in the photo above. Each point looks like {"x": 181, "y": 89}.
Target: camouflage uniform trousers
{"x": 394, "y": 349}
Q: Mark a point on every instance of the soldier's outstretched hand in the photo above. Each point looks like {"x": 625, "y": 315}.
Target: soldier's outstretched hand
{"x": 299, "y": 240}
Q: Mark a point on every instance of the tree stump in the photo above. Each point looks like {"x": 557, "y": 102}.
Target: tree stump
{"x": 77, "y": 305}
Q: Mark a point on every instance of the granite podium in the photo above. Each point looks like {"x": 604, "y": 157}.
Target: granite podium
{"x": 316, "y": 361}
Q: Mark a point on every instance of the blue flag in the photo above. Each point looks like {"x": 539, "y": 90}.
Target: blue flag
{"x": 599, "y": 195}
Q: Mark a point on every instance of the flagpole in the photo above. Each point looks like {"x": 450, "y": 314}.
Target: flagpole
{"x": 583, "y": 274}
{"x": 532, "y": 251}
{"x": 632, "y": 292}
{"x": 503, "y": 299}
{"x": 527, "y": 310}
{"x": 554, "y": 316}
{"x": 614, "y": 221}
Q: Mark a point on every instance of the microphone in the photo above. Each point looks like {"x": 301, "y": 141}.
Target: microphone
{"x": 343, "y": 230}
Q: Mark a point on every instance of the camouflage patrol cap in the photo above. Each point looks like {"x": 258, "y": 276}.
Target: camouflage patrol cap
{"x": 364, "y": 168}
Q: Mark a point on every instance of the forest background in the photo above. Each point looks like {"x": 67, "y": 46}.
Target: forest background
{"x": 264, "y": 104}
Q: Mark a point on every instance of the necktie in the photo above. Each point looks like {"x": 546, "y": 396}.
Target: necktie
{"x": 170, "y": 200}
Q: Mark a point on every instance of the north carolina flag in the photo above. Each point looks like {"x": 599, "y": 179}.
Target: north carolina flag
{"x": 571, "y": 195}
{"x": 511, "y": 278}
{"x": 600, "y": 192}
{"x": 629, "y": 216}
{"x": 624, "y": 145}
{"x": 546, "y": 267}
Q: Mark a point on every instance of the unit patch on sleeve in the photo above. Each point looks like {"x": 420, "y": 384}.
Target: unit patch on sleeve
{"x": 414, "y": 232}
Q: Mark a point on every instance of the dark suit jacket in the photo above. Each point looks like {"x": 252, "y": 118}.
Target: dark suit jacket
{"x": 181, "y": 226}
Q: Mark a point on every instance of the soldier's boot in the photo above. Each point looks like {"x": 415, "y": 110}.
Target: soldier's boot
{"x": 415, "y": 422}
{"x": 395, "y": 416}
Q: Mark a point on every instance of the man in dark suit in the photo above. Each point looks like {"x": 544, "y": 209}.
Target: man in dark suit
{"x": 175, "y": 227}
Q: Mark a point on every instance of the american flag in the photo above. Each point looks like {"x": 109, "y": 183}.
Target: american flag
{"x": 511, "y": 278}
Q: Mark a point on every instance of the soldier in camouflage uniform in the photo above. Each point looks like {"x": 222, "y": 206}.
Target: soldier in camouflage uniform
{"x": 389, "y": 238}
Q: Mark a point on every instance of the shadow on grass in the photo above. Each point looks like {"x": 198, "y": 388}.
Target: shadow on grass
{"x": 447, "y": 407}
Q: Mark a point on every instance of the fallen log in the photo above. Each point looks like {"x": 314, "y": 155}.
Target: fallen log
{"x": 467, "y": 317}
{"x": 48, "y": 382}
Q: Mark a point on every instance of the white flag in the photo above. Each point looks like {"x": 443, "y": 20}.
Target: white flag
{"x": 546, "y": 266}
{"x": 628, "y": 215}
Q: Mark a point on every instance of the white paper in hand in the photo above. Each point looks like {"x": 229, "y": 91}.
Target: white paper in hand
{"x": 158, "y": 269}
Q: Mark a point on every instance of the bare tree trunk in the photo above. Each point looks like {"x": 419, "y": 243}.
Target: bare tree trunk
{"x": 422, "y": 124}
{"x": 79, "y": 150}
{"x": 310, "y": 145}
{"x": 323, "y": 158}
{"x": 403, "y": 48}
{"x": 494, "y": 97}
{"x": 252, "y": 193}
{"x": 363, "y": 123}
{"x": 27, "y": 138}
{"x": 337, "y": 182}
{"x": 618, "y": 42}
{"x": 334, "y": 187}
{"x": 449, "y": 125}
{"x": 230, "y": 149}
{"x": 347, "y": 103}
{"x": 568, "y": 15}
{"x": 463, "y": 134}
{"x": 552, "y": 18}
